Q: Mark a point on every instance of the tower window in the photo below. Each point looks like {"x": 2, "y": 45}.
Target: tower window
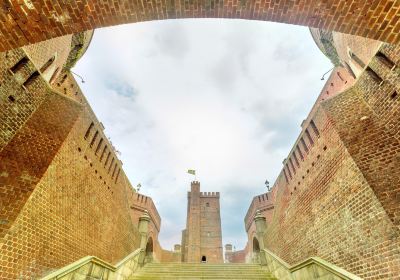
{"x": 31, "y": 78}
{"x": 18, "y": 66}
{"x": 385, "y": 60}
{"x": 373, "y": 75}
{"x": 47, "y": 64}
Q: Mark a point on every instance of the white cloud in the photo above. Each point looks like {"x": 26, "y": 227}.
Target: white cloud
{"x": 225, "y": 97}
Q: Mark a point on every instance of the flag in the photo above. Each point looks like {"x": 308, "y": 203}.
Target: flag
{"x": 191, "y": 171}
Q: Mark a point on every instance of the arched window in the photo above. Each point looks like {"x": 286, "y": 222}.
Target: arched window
{"x": 203, "y": 259}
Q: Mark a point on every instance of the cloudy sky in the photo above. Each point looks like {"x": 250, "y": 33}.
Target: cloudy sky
{"x": 224, "y": 97}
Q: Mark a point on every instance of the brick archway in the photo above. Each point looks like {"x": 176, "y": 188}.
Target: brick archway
{"x": 26, "y": 22}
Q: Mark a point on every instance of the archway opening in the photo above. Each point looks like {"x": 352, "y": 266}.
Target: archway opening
{"x": 256, "y": 251}
{"x": 203, "y": 259}
{"x": 256, "y": 245}
{"x": 149, "y": 250}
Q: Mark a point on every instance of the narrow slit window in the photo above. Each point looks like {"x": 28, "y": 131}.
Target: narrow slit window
{"x": 102, "y": 153}
{"x": 54, "y": 76}
{"x": 357, "y": 59}
{"x": 288, "y": 169}
{"x": 108, "y": 157}
{"x": 89, "y": 130}
{"x": 94, "y": 138}
{"x": 304, "y": 144}
{"x": 374, "y": 75}
{"x": 295, "y": 159}
{"x": 300, "y": 152}
{"x": 115, "y": 168}
{"x": 19, "y": 65}
{"x": 111, "y": 164}
{"x": 309, "y": 137}
{"x": 116, "y": 178}
{"x": 47, "y": 64}
{"x": 347, "y": 66}
{"x": 286, "y": 177}
{"x": 31, "y": 79}
{"x": 98, "y": 146}
{"x": 385, "y": 60}
{"x": 340, "y": 76}
{"x": 314, "y": 128}
{"x": 292, "y": 165}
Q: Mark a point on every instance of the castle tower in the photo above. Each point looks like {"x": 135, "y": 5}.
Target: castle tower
{"x": 202, "y": 239}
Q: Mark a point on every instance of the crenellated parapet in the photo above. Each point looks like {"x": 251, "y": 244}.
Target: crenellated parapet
{"x": 209, "y": 194}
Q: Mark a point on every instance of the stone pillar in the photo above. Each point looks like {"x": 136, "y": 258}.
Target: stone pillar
{"x": 144, "y": 221}
{"x": 261, "y": 226}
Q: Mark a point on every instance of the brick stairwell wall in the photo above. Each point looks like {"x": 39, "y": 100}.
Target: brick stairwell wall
{"x": 341, "y": 203}
{"x": 61, "y": 198}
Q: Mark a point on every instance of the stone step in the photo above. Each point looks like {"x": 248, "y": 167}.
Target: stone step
{"x": 197, "y": 271}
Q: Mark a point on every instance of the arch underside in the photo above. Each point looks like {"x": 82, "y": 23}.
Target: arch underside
{"x": 27, "y": 22}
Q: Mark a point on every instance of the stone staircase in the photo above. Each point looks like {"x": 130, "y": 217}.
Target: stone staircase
{"x": 197, "y": 271}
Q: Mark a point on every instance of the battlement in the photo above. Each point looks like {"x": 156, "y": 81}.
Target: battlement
{"x": 141, "y": 203}
{"x": 209, "y": 194}
{"x": 262, "y": 202}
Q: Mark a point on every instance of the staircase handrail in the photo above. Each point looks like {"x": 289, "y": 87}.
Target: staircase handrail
{"x": 337, "y": 271}
{"x": 73, "y": 267}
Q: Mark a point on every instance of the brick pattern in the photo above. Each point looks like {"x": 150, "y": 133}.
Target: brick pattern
{"x": 376, "y": 117}
{"x": 63, "y": 196}
{"x": 28, "y": 22}
{"x": 341, "y": 202}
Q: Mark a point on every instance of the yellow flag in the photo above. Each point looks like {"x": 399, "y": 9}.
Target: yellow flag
{"x": 191, "y": 171}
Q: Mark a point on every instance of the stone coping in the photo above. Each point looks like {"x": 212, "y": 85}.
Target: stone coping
{"x": 317, "y": 261}
{"x": 89, "y": 259}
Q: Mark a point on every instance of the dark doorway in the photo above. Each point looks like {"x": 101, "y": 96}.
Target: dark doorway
{"x": 256, "y": 251}
{"x": 203, "y": 259}
{"x": 256, "y": 246}
{"x": 149, "y": 251}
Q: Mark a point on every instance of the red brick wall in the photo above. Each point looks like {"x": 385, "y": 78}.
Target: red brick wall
{"x": 61, "y": 199}
{"x": 340, "y": 203}
{"x": 27, "y": 22}
{"x": 236, "y": 257}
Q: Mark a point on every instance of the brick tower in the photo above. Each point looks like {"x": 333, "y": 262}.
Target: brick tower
{"x": 202, "y": 238}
